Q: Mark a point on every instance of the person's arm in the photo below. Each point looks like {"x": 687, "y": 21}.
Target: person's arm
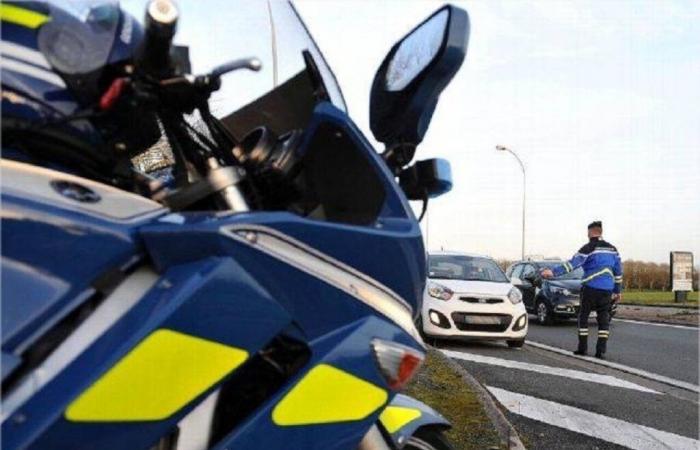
{"x": 617, "y": 272}
{"x": 575, "y": 262}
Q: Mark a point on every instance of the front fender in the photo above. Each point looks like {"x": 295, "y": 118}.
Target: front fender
{"x": 404, "y": 415}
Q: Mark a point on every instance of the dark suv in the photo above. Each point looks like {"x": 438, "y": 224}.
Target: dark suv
{"x": 550, "y": 300}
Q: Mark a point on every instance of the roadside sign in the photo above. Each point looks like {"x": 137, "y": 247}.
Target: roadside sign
{"x": 681, "y": 271}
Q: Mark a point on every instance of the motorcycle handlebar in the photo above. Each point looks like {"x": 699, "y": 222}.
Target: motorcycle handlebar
{"x": 160, "y": 25}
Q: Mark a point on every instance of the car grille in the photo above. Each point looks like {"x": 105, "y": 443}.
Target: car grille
{"x": 489, "y": 301}
{"x": 495, "y": 323}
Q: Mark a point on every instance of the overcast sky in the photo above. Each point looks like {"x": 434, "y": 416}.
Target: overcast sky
{"x": 600, "y": 99}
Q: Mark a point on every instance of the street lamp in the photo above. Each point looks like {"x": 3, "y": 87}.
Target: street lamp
{"x": 501, "y": 148}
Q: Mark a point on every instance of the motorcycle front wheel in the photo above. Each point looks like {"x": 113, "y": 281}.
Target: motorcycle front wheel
{"x": 428, "y": 439}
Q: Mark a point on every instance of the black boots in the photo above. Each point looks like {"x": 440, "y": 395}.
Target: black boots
{"x": 602, "y": 343}
{"x": 582, "y": 343}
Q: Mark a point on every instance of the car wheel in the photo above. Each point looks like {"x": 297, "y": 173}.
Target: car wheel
{"x": 516, "y": 344}
{"x": 428, "y": 439}
{"x": 419, "y": 325}
{"x": 544, "y": 314}
{"x": 426, "y": 338}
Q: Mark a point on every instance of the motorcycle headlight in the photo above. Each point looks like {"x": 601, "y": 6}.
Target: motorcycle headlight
{"x": 439, "y": 291}
{"x": 515, "y": 296}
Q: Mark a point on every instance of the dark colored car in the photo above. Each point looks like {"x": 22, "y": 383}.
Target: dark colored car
{"x": 553, "y": 299}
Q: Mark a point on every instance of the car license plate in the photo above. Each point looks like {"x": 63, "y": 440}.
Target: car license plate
{"x": 482, "y": 320}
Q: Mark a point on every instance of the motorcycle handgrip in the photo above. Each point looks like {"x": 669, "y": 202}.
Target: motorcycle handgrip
{"x": 160, "y": 25}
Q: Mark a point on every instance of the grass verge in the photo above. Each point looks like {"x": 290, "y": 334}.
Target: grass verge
{"x": 440, "y": 386}
{"x": 657, "y": 298}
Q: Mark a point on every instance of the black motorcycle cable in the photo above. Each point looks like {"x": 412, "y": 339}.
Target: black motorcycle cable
{"x": 170, "y": 129}
{"x": 201, "y": 138}
{"x": 425, "y": 206}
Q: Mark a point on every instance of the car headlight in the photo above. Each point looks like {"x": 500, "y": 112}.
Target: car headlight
{"x": 561, "y": 291}
{"x": 515, "y": 296}
{"x": 439, "y": 291}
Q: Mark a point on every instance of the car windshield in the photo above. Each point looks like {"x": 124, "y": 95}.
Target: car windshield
{"x": 462, "y": 267}
{"x": 575, "y": 275}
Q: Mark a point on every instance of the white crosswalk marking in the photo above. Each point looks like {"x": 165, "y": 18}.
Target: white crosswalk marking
{"x": 621, "y": 367}
{"x": 592, "y": 424}
{"x": 549, "y": 370}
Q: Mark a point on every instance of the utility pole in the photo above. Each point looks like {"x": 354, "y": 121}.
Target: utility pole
{"x": 501, "y": 148}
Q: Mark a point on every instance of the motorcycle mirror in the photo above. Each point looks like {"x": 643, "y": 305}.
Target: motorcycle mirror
{"x": 428, "y": 178}
{"x": 409, "y": 81}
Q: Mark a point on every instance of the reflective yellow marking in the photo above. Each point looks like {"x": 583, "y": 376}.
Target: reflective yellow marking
{"x": 157, "y": 378}
{"x": 327, "y": 395}
{"x": 20, "y": 16}
{"x": 602, "y": 272}
{"x": 396, "y": 417}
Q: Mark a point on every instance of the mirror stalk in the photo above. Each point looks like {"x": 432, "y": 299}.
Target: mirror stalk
{"x": 398, "y": 156}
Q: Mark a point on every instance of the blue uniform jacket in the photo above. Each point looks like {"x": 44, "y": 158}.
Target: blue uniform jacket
{"x": 601, "y": 264}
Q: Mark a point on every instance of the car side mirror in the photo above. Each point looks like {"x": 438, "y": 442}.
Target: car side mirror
{"x": 429, "y": 178}
{"x": 516, "y": 281}
{"x": 409, "y": 81}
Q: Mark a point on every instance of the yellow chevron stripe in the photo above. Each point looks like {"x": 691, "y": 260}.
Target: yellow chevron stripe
{"x": 161, "y": 375}
{"x": 326, "y": 395}
{"x": 396, "y": 417}
{"x": 21, "y": 16}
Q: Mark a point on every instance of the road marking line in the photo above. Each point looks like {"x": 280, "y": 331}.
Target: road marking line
{"x": 549, "y": 370}
{"x": 669, "y": 325}
{"x": 609, "y": 429}
{"x": 622, "y": 367}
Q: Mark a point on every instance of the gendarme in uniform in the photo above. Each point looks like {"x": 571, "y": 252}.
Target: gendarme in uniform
{"x": 602, "y": 278}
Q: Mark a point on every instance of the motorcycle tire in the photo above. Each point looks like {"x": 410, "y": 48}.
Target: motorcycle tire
{"x": 428, "y": 439}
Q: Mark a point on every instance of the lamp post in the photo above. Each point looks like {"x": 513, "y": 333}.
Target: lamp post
{"x": 501, "y": 148}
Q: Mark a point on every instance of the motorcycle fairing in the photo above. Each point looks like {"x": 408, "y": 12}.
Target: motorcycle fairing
{"x": 405, "y": 415}
{"x": 61, "y": 248}
{"x": 214, "y": 299}
{"x": 345, "y": 349}
{"x": 391, "y": 239}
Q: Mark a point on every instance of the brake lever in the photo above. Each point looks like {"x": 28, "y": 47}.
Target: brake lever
{"x": 252, "y": 63}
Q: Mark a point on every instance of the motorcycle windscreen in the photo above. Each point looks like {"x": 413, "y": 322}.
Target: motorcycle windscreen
{"x": 301, "y": 79}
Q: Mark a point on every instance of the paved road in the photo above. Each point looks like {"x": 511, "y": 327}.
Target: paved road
{"x": 558, "y": 401}
{"x": 666, "y": 350}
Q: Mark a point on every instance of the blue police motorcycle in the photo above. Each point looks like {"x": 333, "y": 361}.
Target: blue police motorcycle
{"x": 177, "y": 279}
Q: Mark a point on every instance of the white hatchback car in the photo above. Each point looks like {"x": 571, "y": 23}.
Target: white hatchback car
{"x": 469, "y": 296}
